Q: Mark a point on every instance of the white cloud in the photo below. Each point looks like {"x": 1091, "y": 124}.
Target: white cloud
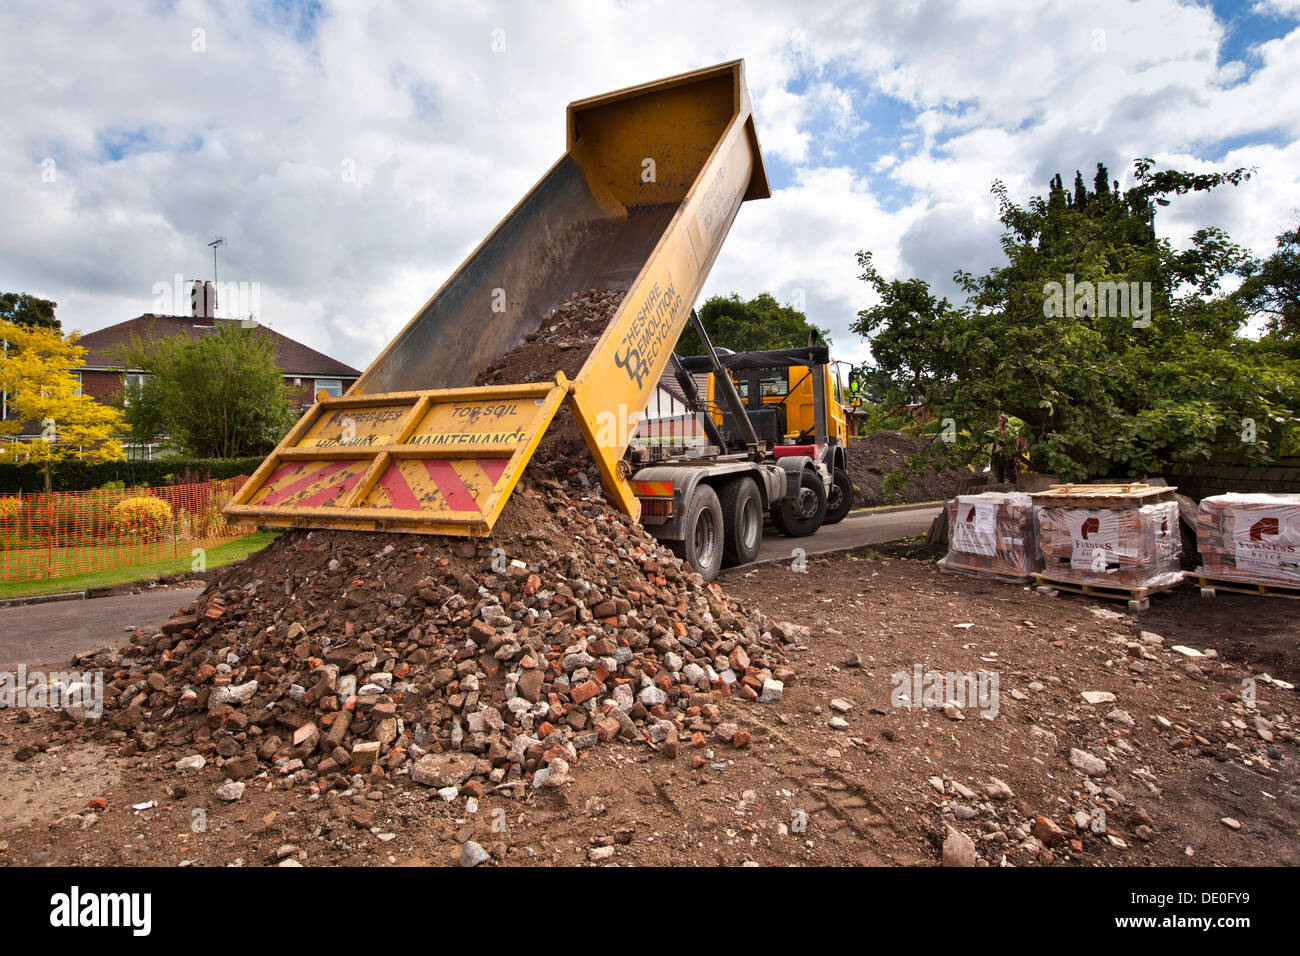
{"x": 252, "y": 138}
{"x": 1276, "y": 7}
{"x": 782, "y": 115}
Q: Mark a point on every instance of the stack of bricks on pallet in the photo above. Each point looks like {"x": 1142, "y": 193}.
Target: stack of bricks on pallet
{"x": 1252, "y": 538}
{"x": 1122, "y": 545}
{"x": 992, "y": 535}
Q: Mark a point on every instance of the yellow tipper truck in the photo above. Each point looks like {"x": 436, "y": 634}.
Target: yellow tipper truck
{"x": 639, "y": 203}
{"x": 795, "y": 400}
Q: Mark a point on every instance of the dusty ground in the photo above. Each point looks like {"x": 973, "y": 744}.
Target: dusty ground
{"x": 803, "y": 792}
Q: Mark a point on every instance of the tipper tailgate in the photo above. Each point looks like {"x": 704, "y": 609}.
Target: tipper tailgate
{"x": 436, "y": 462}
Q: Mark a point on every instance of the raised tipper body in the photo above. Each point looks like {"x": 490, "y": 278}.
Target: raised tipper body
{"x": 640, "y": 202}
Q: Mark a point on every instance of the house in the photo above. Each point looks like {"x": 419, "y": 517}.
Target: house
{"x": 667, "y": 425}
{"x": 306, "y": 371}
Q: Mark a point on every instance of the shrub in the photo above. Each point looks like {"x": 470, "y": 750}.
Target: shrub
{"x": 145, "y": 516}
{"x": 210, "y": 522}
{"x": 9, "y": 508}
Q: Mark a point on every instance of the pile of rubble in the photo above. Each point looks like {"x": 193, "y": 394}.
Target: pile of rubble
{"x": 562, "y": 343}
{"x": 462, "y": 665}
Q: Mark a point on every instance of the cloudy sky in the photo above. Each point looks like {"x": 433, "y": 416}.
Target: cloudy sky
{"x": 353, "y": 154}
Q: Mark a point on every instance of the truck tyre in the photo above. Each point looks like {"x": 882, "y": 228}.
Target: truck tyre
{"x": 840, "y": 501}
{"x": 803, "y": 514}
{"x": 742, "y": 520}
{"x": 703, "y": 544}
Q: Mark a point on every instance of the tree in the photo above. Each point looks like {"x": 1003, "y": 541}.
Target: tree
{"x": 23, "y": 309}
{"x": 142, "y": 410}
{"x": 1113, "y": 379}
{"x": 217, "y": 396}
{"x": 1272, "y": 287}
{"x": 38, "y": 372}
{"x": 752, "y": 325}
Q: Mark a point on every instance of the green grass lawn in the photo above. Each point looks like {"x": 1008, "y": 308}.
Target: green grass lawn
{"x": 227, "y": 553}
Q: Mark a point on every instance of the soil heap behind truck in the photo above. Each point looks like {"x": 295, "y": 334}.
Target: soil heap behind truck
{"x": 640, "y": 202}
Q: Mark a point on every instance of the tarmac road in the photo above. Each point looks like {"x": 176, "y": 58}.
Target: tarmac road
{"x": 52, "y": 633}
{"x": 859, "y": 528}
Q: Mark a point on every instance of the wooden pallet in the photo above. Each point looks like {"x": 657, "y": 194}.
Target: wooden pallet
{"x": 1209, "y": 585}
{"x": 981, "y": 575}
{"x": 1138, "y": 598}
{"x": 1133, "y": 495}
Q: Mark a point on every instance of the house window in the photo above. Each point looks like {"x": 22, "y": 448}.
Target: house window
{"x": 331, "y": 386}
{"x": 130, "y": 382}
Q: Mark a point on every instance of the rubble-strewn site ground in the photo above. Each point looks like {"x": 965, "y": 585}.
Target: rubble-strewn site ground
{"x": 1182, "y": 751}
{"x": 567, "y": 692}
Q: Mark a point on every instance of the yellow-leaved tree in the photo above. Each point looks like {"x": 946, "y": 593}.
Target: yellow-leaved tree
{"x": 38, "y": 369}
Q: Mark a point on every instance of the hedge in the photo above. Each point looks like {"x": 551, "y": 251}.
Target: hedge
{"x": 75, "y": 475}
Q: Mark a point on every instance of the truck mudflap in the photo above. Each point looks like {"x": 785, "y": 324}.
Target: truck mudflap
{"x": 435, "y": 462}
{"x": 663, "y": 489}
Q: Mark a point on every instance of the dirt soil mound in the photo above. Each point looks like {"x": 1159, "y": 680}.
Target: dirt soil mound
{"x": 562, "y": 343}
{"x": 457, "y": 664}
{"x": 875, "y": 457}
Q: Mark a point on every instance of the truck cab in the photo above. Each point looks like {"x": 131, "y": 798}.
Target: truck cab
{"x": 795, "y": 400}
{"x": 770, "y": 436}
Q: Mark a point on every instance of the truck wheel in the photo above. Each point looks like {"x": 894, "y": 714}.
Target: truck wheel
{"x": 803, "y": 514}
{"x": 702, "y": 547}
{"x": 840, "y": 500}
{"x": 742, "y": 520}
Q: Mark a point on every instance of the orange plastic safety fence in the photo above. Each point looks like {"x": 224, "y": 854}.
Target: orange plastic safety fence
{"x": 76, "y": 532}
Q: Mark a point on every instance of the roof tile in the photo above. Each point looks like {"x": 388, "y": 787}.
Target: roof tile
{"x": 291, "y": 355}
